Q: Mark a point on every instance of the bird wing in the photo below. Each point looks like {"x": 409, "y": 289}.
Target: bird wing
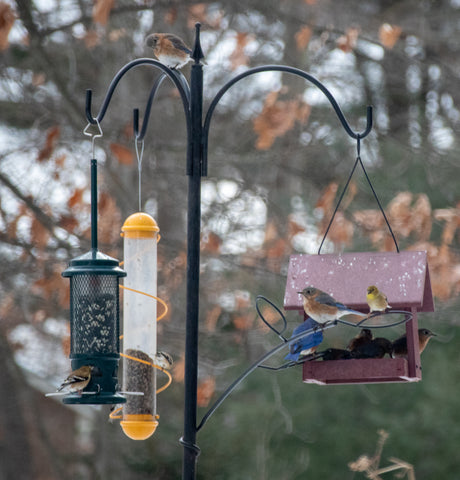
{"x": 309, "y": 341}
{"x": 178, "y": 43}
{"x": 326, "y": 299}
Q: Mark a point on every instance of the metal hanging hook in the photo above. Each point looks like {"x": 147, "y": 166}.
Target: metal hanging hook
{"x": 93, "y": 135}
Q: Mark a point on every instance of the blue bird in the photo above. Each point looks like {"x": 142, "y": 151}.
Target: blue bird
{"x": 305, "y": 345}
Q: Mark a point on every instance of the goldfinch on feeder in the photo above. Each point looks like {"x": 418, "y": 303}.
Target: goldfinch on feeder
{"x": 77, "y": 380}
{"x": 376, "y": 299}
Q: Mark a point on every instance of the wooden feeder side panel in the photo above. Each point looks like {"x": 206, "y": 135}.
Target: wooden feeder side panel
{"x": 404, "y": 277}
{"x": 357, "y": 371}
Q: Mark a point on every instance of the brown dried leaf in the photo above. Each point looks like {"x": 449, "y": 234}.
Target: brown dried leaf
{"x": 115, "y": 35}
{"x": 52, "y": 136}
{"x": 197, "y": 12}
{"x": 243, "y": 322}
{"x": 277, "y": 249}
{"x": 238, "y": 56}
{"x": 347, "y": 42}
{"x": 171, "y": 15}
{"x": 205, "y": 391}
{"x": 303, "y": 36}
{"x": 101, "y": 11}
{"x": 421, "y": 222}
{"x": 38, "y": 79}
{"x": 389, "y": 35}
{"x": 211, "y": 243}
{"x": 68, "y": 222}
{"x": 109, "y": 219}
{"x": 271, "y": 232}
{"x": 294, "y": 228}
{"x": 39, "y": 234}
{"x": 76, "y": 198}
{"x": 341, "y": 232}
{"x": 326, "y": 200}
{"x": 123, "y": 154}
{"x": 399, "y": 212}
{"x": 277, "y": 118}
{"x": 212, "y": 317}
{"x": 7, "y": 19}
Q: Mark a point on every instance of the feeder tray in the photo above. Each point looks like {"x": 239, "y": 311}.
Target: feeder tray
{"x": 405, "y": 279}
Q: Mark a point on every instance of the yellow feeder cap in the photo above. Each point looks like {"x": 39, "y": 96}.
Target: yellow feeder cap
{"x": 139, "y": 427}
{"x": 139, "y": 225}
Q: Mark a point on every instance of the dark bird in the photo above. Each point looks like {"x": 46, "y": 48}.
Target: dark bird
{"x": 376, "y": 299}
{"x": 332, "y": 354}
{"x": 376, "y": 348}
{"x": 363, "y": 337}
{"x": 306, "y": 345}
{"x": 322, "y": 308}
{"x": 400, "y": 344}
{"x": 169, "y": 49}
{"x": 77, "y": 380}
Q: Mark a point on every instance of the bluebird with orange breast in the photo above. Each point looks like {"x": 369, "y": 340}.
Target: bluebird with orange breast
{"x": 400, "y": 344}
{"x": 169, "y": 49}
{"x": 322, "y": 308}
{"x": 306, "y": 345}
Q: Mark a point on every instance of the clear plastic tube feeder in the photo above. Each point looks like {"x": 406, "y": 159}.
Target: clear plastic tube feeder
{"x": 139, "y": 417}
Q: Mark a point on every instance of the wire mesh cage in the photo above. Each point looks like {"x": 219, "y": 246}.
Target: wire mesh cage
{"x": 94, "y": 325}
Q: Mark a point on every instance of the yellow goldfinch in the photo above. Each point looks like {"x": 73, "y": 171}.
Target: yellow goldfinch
{"x": 77, "y": 380}
{"x": 376, "y": 300}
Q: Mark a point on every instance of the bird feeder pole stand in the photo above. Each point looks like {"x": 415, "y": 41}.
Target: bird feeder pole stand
{"x": 196, "y": 167}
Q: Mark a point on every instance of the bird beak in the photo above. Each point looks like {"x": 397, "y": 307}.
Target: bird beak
{"x": 299, "y": 293}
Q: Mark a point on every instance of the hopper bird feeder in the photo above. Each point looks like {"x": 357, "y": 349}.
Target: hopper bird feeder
{"x": 94, "y": 317}
{"x": 405, "y": 279}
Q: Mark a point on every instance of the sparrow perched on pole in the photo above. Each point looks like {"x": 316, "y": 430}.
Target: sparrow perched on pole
{"x": 376, "y": 299}
{"x": 78, "y": 380}
{"x": 169, "y": 49}
{"x": 322, "y": 308}
{"x": 400, "y": 344}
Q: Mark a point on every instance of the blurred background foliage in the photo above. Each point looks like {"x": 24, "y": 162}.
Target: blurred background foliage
{"x": 278, "y": 159}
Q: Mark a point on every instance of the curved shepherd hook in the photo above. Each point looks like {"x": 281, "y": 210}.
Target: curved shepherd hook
{"x": 176, "y": 77}
{"x": 286, "y": 69}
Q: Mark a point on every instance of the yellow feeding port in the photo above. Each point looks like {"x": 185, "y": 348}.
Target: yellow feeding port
{"x": 139, "y": 225}
{"x": 139, "y": 427}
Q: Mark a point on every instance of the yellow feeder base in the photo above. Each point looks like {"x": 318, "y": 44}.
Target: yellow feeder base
{"x": 139, "y": 427}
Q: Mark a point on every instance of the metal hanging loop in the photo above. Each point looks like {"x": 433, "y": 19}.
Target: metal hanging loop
{"x": 358, "y": 160}
{"x": 139, "y": 155}
{"x": 98, "y": 134}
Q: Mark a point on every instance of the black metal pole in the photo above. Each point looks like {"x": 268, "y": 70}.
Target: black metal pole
{"x": 194, "y": 162}
{"x": 94, "y": 206}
